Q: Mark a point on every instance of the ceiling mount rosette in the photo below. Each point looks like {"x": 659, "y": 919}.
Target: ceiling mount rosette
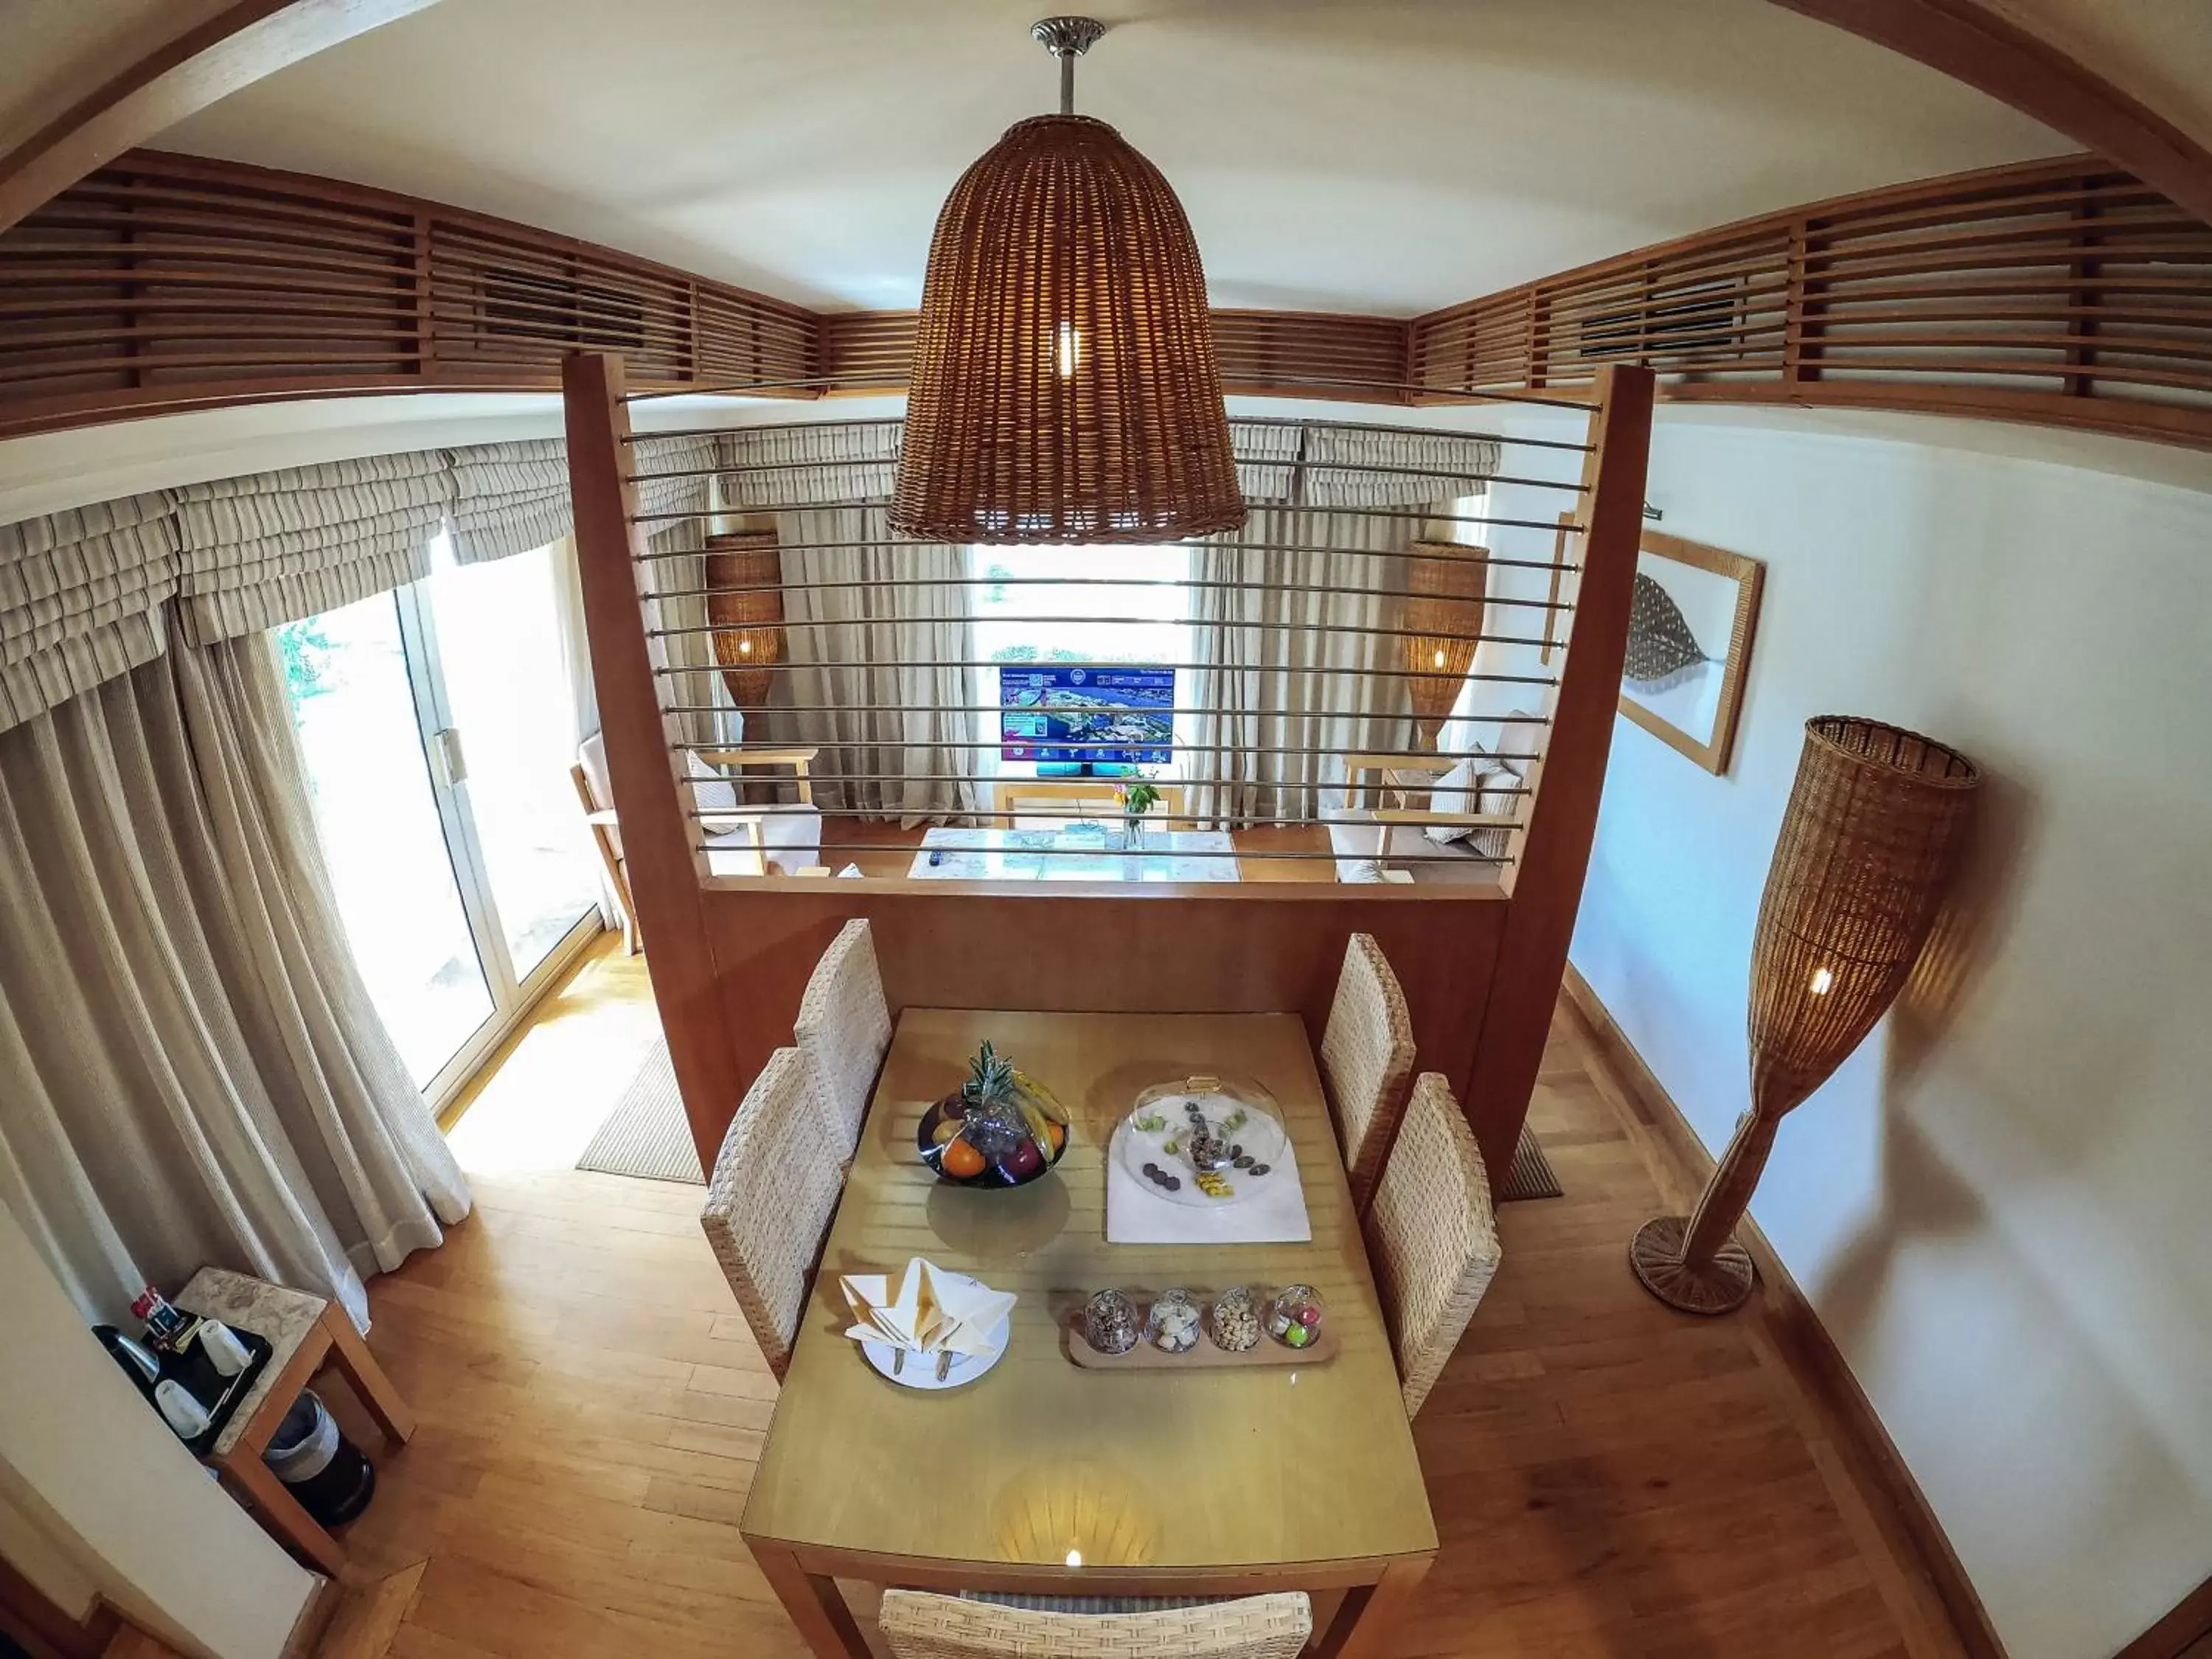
{"x": 1064, "y": 387}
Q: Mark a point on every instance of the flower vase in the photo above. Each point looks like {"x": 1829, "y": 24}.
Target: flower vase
{"x": 1133, "y": 832}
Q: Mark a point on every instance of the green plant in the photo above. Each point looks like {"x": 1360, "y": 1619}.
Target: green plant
{"x": 1137, "y": 798}
{"x": 305, "y": 651}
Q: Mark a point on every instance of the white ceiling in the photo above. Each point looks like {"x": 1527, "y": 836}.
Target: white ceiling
{"x": 1384, "y": 155}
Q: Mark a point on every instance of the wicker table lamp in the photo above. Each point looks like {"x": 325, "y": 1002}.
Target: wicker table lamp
{"x": 1868, "y": 843}
{"x": 745, "y": 603}
{"x": 1447, "y": 583}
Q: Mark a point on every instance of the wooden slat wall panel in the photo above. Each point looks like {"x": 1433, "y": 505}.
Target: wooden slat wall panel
{"x": 165, "y": 282}
{"x": 2066, "y": 292}
{"x": 1266, "y": 352}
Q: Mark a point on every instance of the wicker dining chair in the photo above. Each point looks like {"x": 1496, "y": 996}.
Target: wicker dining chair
{"x": 919, "y": 1626}
{"x": 1366, "y": 1062}
{"x": 769, "y": 1203}
{"x": 1432, "y": 1235}
{"x": 844, "y": 1031}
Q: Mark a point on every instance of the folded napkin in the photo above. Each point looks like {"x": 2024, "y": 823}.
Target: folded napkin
{"x": 934, "y": 1311}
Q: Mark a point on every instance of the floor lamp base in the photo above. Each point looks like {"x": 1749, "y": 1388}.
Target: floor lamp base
{"x": 1718, "y": 1286}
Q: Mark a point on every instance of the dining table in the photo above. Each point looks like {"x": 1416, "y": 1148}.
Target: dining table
{"x": 1043, "y": 1478}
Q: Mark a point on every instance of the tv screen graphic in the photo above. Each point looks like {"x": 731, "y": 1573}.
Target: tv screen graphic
{"x": 1126, "y": 712}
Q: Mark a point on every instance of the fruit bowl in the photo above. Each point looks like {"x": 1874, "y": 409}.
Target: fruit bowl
{"x": 1002, "y": 1129}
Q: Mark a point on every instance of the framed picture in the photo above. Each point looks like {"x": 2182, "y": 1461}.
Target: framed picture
{"x": 1689, "y": 644}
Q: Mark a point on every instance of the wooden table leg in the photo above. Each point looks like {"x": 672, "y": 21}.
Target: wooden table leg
{"x": 359, "y": 1367}
{"x": 283, "y": 1513}
{"x": 814, "y": 1602}
{"x": 1370, "y": 1613}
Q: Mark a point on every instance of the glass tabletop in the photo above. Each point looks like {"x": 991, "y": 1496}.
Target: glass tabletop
{"x": 1081, "y": 852}
{"x": 1038, "y": 1461}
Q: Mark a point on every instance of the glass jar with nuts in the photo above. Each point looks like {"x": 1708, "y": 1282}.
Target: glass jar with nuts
{"x": 1234, "y": 1323}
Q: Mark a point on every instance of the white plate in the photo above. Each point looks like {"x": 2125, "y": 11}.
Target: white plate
{"x": 920, "y": 1370}
{"x": 1261, "y": 1136}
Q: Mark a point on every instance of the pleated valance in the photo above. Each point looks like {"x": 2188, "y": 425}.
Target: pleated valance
{"x": 277, "y": 546}
{"x": 83, "y": 592}
{"x": 509, "y": 498}
{"x": 811, "y": 464}
{"x": 1314, "y": 463}
{"x": 81, "y": 599}
{"x": 1293, "y": 463}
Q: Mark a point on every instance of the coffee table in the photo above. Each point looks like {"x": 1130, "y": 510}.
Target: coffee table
{"x": 1081, "y": 852}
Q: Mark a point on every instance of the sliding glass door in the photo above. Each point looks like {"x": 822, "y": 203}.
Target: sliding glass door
{"x": 438, "y": 727}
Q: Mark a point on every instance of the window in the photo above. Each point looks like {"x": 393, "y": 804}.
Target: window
{"x": 437, "y": 726}
{"x": 1080, "y": 605}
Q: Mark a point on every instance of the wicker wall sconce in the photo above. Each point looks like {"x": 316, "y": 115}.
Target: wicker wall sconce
{"x": 1450, "y": 583}
{"x": 745, "y": 603}
{"x": 1064, "y": 385}
{"x": 1869, "y": 843}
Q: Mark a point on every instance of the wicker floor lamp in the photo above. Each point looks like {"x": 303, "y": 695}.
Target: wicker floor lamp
{"x": 1868, "y": 844}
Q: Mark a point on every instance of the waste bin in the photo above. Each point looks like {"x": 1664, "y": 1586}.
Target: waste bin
{"x": 325, "y": 1471}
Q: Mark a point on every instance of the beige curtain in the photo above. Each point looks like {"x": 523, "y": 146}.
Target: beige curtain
{"x": 1286, "y": 671}
{"x": 862, "y": 627}
{"x": 191, "y": 1069}
{"x": 876, "y": 675}
{"x": 1282, "y": 671}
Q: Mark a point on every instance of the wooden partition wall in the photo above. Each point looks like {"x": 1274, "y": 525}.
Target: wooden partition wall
{"x": 2065, "y": 292}
{"x": 1481, "y": 963}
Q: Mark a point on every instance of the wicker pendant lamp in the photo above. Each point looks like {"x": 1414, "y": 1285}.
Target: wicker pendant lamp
{"x": 1869, "y": 842}
{"x": 1064, "y": 387}
{"x": 1448, "y": 582}
{"x": 745, "y": 603}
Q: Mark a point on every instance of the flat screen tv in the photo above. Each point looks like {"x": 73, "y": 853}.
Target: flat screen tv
{"x": 1104, "y": 716}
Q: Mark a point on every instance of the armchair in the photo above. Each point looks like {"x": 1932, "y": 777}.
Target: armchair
{"x": 741, "y": 840}
{"x": 1391, "y": 801}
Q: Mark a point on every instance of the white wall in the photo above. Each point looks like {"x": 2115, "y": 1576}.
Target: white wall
{"x": 87, "y": 1462}
{"x": 1999, "y": 1205}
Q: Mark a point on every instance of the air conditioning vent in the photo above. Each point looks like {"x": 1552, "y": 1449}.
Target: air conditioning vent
{"x": 530, "y": 306}
{"x": 1699, "y": 318}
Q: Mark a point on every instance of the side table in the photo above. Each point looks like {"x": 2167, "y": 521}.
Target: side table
{"x": 304, "y": 1333}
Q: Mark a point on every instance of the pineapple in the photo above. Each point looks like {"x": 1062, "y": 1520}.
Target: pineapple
{"x": 992, "y": 1118}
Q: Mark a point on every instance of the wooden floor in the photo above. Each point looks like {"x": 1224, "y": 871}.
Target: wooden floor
{"x": 1610, "y": 1479}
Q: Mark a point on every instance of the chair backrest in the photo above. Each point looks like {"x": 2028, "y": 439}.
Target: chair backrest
{"x": 1366, "y": 1062}
{"x": 591, "y": 762}
{"x": 844, "y": 1029}
{"x": 919, "y": 1626}
{"x": 769, "y": 1202}
{"x": 1432, "y": 1235}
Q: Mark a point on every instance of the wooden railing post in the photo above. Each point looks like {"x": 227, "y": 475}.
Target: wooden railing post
{"x": 1555, "y": 848}
{"x": 657, "y": 852}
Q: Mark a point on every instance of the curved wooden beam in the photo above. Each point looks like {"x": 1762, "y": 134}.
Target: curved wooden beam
{"x": 1969, "y": 41}
{"x": 239, "y": 45}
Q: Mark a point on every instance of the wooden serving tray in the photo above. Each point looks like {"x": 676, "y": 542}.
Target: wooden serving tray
{"x": 1203, "y": 1357}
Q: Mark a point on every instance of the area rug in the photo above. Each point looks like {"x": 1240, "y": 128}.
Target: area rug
{"x": 1531, "y": 1176}
{"x": 646, "y": 1134}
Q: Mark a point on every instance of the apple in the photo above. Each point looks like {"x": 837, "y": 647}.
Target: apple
{"x": 1024, "y": 1161}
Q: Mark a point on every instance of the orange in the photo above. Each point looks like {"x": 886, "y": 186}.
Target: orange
{"x": 961, "y": 1161}
{"x": 1056, "y": 1136}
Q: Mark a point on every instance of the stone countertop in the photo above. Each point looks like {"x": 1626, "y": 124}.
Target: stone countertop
{"x": 285, "y": 1318}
